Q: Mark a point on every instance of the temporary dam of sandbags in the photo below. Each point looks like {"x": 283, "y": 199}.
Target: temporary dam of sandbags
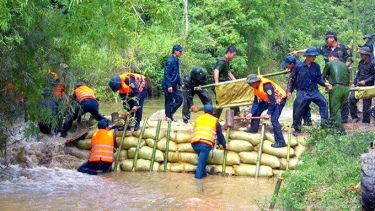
{"x": 241, "y": 157}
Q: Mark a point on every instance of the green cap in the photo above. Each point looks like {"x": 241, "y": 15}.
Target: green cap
{"x": 252, "y": 78}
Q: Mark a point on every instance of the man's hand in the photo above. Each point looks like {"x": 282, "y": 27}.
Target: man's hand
{"x": 194, "y": 108}
{"x": 248, "y": 117}
{"x": 198, "y": 89}
{"x": 182, "y": 86}
{"x": 362, "y": 83}
{"x": 293, "y": 53}
{"x": 328, "y": 86}
{"x": 266, "y": 116}
{"x": 134, "y": 109}
{"x": 288, "y": 95}
{"x": 227, "y": 147}
{"x": 352, "y": 85}
{"x": 170, "y": 89}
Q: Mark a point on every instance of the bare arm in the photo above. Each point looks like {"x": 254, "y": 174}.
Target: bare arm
{"x": 293, "y": 53}
{"x": 230, "y": 75}
{"x": 216, "y": 76}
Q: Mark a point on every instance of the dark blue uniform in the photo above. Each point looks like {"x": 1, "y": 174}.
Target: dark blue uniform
{"x": 274, "y": 110}
{"x": 366, "y": 72}
{"x": 291, "y": 86}
{"x": 371, "y": 46}
{"x": 306, "y": 80}
{"x": 172, "y": 79}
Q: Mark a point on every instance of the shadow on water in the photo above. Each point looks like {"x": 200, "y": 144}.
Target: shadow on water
{"x": 59, "y": 189}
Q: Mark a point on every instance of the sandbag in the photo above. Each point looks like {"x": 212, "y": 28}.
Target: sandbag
{"x": 270, "y": 137}
{"x": 150, "y": 142}
{"x": 240, "y": 146}
{"x": 277, "y": 172}
{"x": 179, "y": 137}
{"x": 216, "y": 157}
{"x": 179, "y": 167}
{"x": 301, "y": 139}
{"x": 299, "y": 149}
{"x": 142, "y": 165}
{"x": 91, "y": 133}
{"x": 84, "y": 144}
{"x": 249, "y": 170}
{"x": 185, "y": 157}
{"x": 146, "y": 153}
{"x": 253, "y": 138}
{"x": 292, "y": 163}
{"x": 149, "y": 133}
{"x": 123, "y": 155}
{"x": 163, "y": 143}
{"x": 185, "y": 147}
{"x": 216, "y": 169}
{"x": 266, "y": 159}
{"x": 129, "y": 142}
{"x": 127, "y": 133}
{"x": 278, "y": 152}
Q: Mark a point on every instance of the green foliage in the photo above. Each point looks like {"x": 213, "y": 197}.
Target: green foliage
{"x": 329, "y": 170}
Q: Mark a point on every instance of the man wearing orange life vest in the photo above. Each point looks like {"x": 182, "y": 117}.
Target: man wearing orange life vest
{"x": 132, "y": 88}
{"x": 206, "y": 129}
{"x": 87, "y": 102}
{"x": 267, "y": 96}
{"x": 103, "y": 145}
{"x": 59, "y": 87}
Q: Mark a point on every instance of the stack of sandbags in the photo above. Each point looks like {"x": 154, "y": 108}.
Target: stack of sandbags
{"x": 241, "y": 160}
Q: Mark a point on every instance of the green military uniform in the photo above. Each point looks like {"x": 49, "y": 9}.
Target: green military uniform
{"x": 223, "y": 67}
{"x": 337, "y": 73}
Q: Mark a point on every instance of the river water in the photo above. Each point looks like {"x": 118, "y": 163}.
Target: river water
{"x": 42, "y": 188}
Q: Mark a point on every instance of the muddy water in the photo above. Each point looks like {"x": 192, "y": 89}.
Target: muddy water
{"x": 60, "y": 189}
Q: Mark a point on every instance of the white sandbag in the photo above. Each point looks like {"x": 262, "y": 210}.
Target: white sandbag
{"x": 302, "y": 139}
{"x": 217, "y": 169}
{"x": 277, "y": 172}
{"x": 299, "y": 149}
{"x": 149, "y": 133}
{"x": 127, "y": 133}
{"x": 240, "y": 146}
{"x": 292, "y": 163}
{"x": 150, "y": 142}
{"x": 123, "y": 155}
{"x": 142, "y": 165}
{"x": 146, "y": 153}
{"x": 185, "y": 147}
{"x": 91, "y": 133}
{"x": 253, "y": 138}
{"x": 180, "y": 137}
{"x": 129, "y": 142}
{"x": 84, "y": 144}
{"x": 179, "y": 167}
{"x": 266, "y": 159}
{"x": 280, "y": 152}
{"x": 249, "y": 170}
{"x": 162, "y": 144}
{"x": 270, "y": 137}
{"x": 216, "y": 157}
{"x": 185, "y": 157}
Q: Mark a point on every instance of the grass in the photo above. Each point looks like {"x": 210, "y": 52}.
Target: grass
{"x": 330, "y": 171}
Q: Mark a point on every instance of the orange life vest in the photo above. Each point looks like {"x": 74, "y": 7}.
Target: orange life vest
{"x": 102, "y": 146}
{"x": 84, "y": 92}
{"x": 140, "y": 81}
{"x": 205, "y": 129}
{"x": 59, "y": 91}
{"x": 262, "y": 95}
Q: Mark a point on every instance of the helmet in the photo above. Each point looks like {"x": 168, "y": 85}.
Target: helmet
{"x": 197, "y": 73}
{"x": 367, "y": 36}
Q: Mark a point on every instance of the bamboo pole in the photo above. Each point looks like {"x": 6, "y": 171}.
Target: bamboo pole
{"x": 288, "y": 148}
{"x": 243, "y": 79}
{"x": 275, "y": 193}
{"x": 167, "y": 145}
{"x": 121, "y": 142}
{"x": 139, "y": 144}
{"x": 155, "y": 145}
{"x": 260, "y": 151}
{"x": 225, "y": 152}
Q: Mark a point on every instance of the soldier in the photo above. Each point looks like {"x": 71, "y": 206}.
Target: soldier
{"x": 307, "y": 77}
{"x": 196, "y": 77}
{"x": 365, "y": 77}
{"x": 368, "y": 43}
{"x": 291, "y": 63}
{"x": 337, "y": 73}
